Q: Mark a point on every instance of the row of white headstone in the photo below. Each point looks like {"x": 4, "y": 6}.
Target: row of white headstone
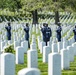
{"x": 54, "y": 60}
{"x": 19, "y": 34}
{"x": 18, "y": 46}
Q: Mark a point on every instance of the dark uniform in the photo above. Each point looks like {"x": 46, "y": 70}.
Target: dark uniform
{"x": 8, "y": 28}
{"x": 26, "y": 29}
{"x": 59, "y": 29}
{"x": 43, "y": 30}
{"x": 46, "y": 31}
{"x": 74, "y": 31}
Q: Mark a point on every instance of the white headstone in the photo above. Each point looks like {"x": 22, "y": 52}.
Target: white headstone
{"x": 54, "y": 64}
{"x": 9, "y": 42}
{"x": 50, "y": 44}
{"x": 64, "y": 45}
{"x": 46, "y": 51}
{"x": 16, "y": 43}
{"x": 29, "y": 71}
{"x": 54, "y": 40}
{"x": 70, "y": 42}
{"x": 33, "y": 46}
{"x": 15, "y": 39}
{"x": 64, "y": 39}
{"x": 59, "y": 46}
{"x": 39, "y": 41}
{"x": 42, "y": 44}
{"x": 19, "y": 55}
{"x": 54, "y": 47}
{"x": 65, "y": 64}
{"x": 33, "y": 39}
{"x": 71, "y": 53}
{"x": 74, "y": 47}
{"x": 0, "y": 62}
{"x": 7, "y": 64}
{"x": 24, "y": 44}
{"x": 2, "y": 45}
{"x": 32, "y": 59}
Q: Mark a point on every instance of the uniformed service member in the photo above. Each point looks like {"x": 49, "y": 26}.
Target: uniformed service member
{"x": 26, "y": 29}
{"x": 74, "y": 31}
{"x": 58, "y": 31}
{"x": 8, "y": 28}
{"x": 46, "y": 32}
{"x": 43, "y": 30}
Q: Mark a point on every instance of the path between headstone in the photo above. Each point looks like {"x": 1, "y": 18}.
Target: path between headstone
{"x": 66, "y": 72}
{"x": 69, "y": 72}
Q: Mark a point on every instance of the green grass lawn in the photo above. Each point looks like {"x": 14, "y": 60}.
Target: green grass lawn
{"x": 44, "y": 66}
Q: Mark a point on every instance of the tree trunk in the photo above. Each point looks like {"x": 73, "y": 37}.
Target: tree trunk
{"x": 56, "y": 17}
{"x": 35, "y": 17}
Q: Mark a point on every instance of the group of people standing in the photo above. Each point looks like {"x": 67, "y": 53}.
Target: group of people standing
{"x": 26, "y": 29}
{"x": 46, "y": 32}
{"x": 47, "y": 29}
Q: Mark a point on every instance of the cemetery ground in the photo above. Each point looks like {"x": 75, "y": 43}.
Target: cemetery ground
{"x": 44, "y": 66}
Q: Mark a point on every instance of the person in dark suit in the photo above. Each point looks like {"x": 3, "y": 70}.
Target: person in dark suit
{"x": 74, "y": 31}
{"x": 8, "y": 28}
{"x": 46, "y": 32}
{"x": 26, "y": 29}
{"x": 58, "y": 31}
{"x": 43, "y": 30}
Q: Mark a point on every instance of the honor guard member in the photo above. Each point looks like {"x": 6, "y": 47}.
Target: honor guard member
{"x": 58, "y": 31}
{"x": 74, "y": 31}
{"x": 43, "y": 30}
{"x": 46, "y": 31}
{"x": 8, "y": 28}
{"x": 26, "y": 29}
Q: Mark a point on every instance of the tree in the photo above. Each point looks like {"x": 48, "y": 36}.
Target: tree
{"x": 66, "y": 5}
{"x": 32, "y": 6}
{"x": 2, "y": 4}
{"x": 48, "y": 5}
{"x": 11, "y": 5}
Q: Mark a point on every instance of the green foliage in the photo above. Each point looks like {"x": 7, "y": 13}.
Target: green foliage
{"x": 12, "y": 5}
{"x": 31, "y": 5}
{"x": 9, "y": 49}
{"x": 24, "y": 6}
{"x": 49, "y": 5}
